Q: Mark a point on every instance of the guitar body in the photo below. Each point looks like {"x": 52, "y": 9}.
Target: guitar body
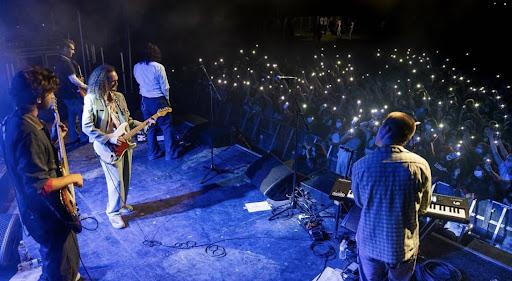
{"x": 67, "y": 198}
{"x": 111, "y": 153}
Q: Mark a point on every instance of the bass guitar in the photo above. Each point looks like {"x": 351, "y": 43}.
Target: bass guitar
{"x": 111, "y": 153}
{"x": 67, "y": 194}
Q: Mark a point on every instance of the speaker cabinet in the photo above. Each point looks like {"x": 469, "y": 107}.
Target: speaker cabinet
{"x": 10, "y": 236}
{"x": 273, "y": 178}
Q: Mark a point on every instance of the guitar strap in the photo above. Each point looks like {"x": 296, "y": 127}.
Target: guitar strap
{"x": 113, "y": 113}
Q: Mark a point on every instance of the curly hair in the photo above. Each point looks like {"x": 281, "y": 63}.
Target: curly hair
{"x": 32, "y": 84}
{"x": 98, "y": 83}
{"x": 151, "y": 53}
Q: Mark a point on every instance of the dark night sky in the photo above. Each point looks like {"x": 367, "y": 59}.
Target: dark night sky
{"x": 194, "y": 25}
{"x": 186, "y": 30}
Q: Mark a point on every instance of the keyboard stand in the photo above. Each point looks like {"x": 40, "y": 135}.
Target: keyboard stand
{"x": 340, "y": 207}
{"x": 338, "y": 212}
{"x": 428, "y": 228}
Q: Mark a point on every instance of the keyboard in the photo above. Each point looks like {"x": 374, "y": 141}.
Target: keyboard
{"x": 448, "y": 208}
{"x": 441, "y": 206}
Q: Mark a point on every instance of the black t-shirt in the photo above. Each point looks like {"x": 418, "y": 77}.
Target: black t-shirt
{"x": 65, "y": 67}
{"x": 30, "y": 160}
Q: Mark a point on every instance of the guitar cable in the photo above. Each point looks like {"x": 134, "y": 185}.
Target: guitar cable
{"x": 436, "y": 270}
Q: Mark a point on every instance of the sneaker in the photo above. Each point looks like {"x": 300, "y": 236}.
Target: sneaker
{"x": 126, "y": 209}
{"x": 117, "y": 222}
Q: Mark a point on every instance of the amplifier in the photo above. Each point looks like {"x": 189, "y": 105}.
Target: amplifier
{"x": 10, "y": 236}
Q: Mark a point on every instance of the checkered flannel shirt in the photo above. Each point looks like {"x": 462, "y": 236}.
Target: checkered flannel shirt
{"x": 392, "y": 186}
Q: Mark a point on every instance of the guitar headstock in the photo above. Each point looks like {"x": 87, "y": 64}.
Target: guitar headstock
{"x": 55, "y": 108}
{"x": 163, "y": 111}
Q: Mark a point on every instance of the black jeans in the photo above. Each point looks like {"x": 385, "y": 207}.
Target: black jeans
{"x": 60, "y": 257}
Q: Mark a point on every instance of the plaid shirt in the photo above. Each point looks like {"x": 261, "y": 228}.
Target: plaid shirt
{"x": 392, "y": 186}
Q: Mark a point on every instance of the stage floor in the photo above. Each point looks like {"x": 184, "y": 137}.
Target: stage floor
{"x": 173, "y": 208}
{"x": 184, "y": 218}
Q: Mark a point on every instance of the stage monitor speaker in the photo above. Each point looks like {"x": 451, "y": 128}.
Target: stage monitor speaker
{"x": 10, "y": 236}
{"x": 273, "y": 178}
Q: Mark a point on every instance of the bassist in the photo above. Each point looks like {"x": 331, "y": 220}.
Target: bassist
{"x": 72, "y": 89}
{"x": 31, "y": 163}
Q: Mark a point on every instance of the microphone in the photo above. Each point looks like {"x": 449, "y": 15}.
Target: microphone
{"x": 282, "y": 77}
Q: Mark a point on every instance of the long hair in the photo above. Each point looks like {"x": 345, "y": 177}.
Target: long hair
{"x": 32, "y": 84}
{"x": 98, "y": 83}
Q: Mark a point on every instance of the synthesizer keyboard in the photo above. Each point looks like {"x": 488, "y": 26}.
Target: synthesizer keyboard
{"x": 448, "y": 208}
{"x": 441, "y": 206}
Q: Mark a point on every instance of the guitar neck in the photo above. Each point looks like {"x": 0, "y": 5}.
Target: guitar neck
{"x": 141, "y": 126}
{"x": 62, "y": 147}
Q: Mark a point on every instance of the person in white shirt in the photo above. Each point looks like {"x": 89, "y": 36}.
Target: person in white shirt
{"x": 154, "y": 89}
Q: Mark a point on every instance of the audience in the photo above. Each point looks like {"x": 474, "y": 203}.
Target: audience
{"x": 464, "y": 125}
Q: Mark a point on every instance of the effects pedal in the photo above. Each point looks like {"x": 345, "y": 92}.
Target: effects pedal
{"x": 316, "y": 230}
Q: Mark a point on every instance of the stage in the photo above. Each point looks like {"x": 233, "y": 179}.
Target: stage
{"x": 184, "y": 230}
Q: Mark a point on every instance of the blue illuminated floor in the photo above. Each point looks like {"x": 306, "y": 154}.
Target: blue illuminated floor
{"x": 174, "y": 209}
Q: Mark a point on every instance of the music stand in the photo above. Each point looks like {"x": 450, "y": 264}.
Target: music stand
{"x": 212, "y": 168}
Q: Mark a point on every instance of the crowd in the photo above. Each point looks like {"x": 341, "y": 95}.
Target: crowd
{"x": 463, "y": 124}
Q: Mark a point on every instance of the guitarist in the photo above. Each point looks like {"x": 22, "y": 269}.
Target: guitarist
{"x": 31, "y": 163}
{"x": 104, "y": 110}
{"x": 72, "y": 88}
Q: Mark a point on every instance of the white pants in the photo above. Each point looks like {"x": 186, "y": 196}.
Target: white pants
{"x": 118, "y": 177}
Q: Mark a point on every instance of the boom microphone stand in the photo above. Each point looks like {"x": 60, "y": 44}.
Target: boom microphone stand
{"x": 212, "y": 168}
{"x": 292, "y": 204}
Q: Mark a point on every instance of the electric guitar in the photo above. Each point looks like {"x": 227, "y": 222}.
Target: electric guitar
{"x": 67, "y": 194}
{"x": 81, "y": 91}
{"x": 111, "y": 153}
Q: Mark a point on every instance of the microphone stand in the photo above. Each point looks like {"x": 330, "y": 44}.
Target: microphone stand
{"x": 212, "y": 168}
{"x": 292, "y": 204}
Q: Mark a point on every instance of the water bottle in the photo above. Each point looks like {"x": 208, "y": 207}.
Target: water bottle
{"x": 343, "y": 249}
{"x": 23, "y": 251}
